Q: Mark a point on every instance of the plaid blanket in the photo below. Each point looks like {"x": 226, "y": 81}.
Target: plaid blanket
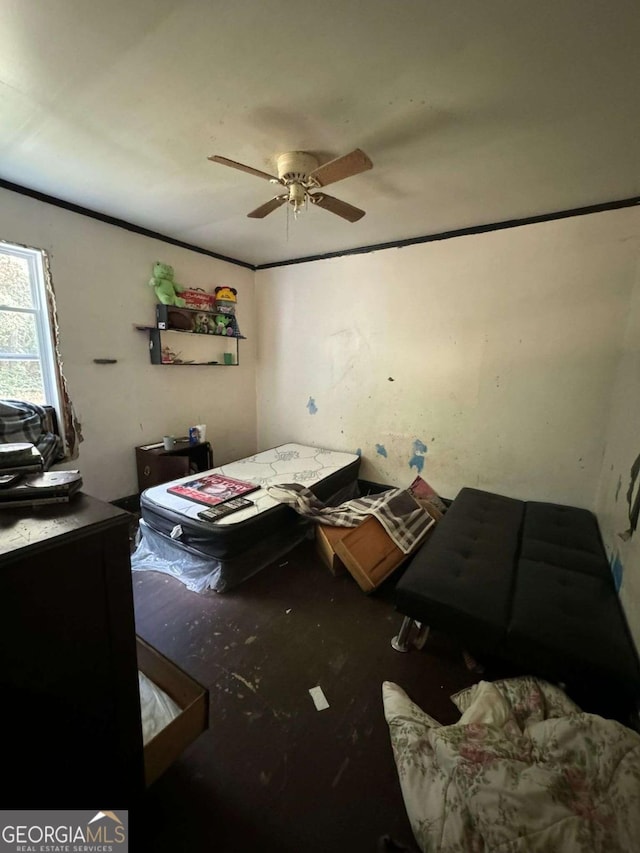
{"x": 21, "y": 421}
{"x": 404, "y": 520}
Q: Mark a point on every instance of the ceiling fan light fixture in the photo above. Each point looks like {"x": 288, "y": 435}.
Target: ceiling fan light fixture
{"x": 297, "y": 198}
{"x": 299, "y": 173}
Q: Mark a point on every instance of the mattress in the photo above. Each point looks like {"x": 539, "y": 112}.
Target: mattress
{"x": 323, "y": 471}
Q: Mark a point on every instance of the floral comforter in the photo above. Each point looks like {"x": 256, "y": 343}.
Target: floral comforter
{"x": 523, "y": 770}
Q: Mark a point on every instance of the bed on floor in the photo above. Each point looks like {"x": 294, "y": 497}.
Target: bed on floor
{"x": 219, "y": 555}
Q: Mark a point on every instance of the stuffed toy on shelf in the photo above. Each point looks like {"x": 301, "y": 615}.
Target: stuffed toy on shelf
{"x": 165, "y": 287}
{"x": 201, "y": 323}
{"x": 226, "y": 299}
{"x": 224, "y": 326}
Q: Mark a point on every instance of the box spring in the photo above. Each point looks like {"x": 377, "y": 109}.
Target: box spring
{"x": 325, "y": 472}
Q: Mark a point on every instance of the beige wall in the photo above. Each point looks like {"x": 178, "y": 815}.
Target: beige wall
{"x": 621, "y": 451}
{"x": 512, "y": 357}
{"x": 494, "y": 351}
{"x": 100, "y": 276}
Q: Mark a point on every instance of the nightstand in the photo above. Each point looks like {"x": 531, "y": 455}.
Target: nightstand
{"x": 156, "y": 465}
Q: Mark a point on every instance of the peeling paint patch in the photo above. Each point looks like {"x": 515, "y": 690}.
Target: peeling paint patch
{"x": 417, "y": 460}
{"x": 311, "y": 405}
{"x": 618, "y": 487}
{"x": 381, "y": 450}
{"x": 633, "y": 502}
{"x": 617, "y": 570}
{"x": 244, "y": 681}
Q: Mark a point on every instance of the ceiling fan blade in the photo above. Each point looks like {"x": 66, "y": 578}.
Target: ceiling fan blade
{"x": 224, "y": 161}
{"x": 342, "y": 167}
{"x": 334, "y": 205}
{"x": 269, "y": 207}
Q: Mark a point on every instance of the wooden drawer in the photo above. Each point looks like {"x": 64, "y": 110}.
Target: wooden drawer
{"x": 326, "y": 538}
{"x": 369, "y": 553}
{"x": 163, "y": 749}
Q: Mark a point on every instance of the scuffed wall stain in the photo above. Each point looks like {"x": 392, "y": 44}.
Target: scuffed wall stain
{"x": 618, "y": 487}
{"x": 381, "y": 450}
{"x": 633, "y": 502}
{"x": 344, "y": 351}
{"x": 617, "y": 570}
{"x": 311, "y": 405}
{"x": 417, "y": 460}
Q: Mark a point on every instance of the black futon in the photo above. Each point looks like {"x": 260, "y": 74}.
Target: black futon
{"x": 524, "y": 581}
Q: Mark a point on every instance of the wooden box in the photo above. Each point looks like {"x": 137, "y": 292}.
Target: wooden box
{"x": 326, "y": 538}
{"x": 198, "y": 299}
{"x": 163, "y": 749}
{"x": 369, "y": 554}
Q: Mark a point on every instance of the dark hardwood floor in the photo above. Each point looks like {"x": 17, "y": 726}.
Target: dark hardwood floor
{"x": 272, "y": 772}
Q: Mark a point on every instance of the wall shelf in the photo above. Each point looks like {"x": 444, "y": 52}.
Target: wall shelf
{"x": 155, "y": 334}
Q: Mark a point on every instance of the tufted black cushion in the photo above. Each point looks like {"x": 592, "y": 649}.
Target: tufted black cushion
{"x": 563, "y": 536}
{"x": 460, "y": 581}
{"x": 528, "y": 581}
{"x": 566, "y": 622}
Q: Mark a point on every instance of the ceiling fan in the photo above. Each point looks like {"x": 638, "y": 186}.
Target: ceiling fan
{"x": 302, "y": 178}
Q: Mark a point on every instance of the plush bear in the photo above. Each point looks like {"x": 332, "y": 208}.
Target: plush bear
{"x": 226, "y": 300}
{"x": 166, "y": 288}
{"x": 201, "y": 323}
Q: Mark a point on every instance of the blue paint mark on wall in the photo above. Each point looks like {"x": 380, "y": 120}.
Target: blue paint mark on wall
{"x": 359, "y": 451}
{"x": 417, "y": 460}
{"x": 381, "y": 450}
{"x": 617, "y": 570}
{"x": 311, "y": 405}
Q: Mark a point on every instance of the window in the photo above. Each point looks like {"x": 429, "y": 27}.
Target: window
{"x": 27, "y": 363}
{"x": 30, "y": 367}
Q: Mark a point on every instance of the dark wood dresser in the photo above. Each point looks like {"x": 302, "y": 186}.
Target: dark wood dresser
{"x": 72, "y": 734}
{"x": 68, "y": 671}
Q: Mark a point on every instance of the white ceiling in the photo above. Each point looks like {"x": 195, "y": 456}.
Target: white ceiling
{"x": 472, "y": 112}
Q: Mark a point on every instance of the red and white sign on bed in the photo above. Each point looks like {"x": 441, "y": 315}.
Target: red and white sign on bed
{"x": 213, "y": 489}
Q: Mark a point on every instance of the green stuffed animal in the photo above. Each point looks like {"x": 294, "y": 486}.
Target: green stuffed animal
{"x": 166, "y": 288}
{"x": 222, "y": 325}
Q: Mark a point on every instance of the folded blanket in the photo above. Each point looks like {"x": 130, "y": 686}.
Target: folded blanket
{"x": 402, "y": 517}
{"x": 27, "y": 422}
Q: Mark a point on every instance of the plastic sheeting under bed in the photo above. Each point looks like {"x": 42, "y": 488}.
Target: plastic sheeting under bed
{"x": 218, "y": 556}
